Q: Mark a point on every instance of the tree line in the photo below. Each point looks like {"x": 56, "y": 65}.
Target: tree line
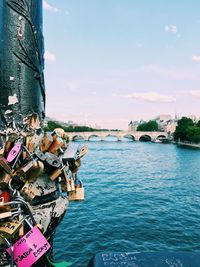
{"x": 51, "y": 125}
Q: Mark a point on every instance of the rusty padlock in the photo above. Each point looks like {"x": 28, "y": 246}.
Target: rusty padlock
{"x": 46, "y": 142}
{"x": 4, "y": 164}
{"x": 10, "y": 228}
{"x": 55, "y": 174}
{"x": 4, "y": 179}
{"x": 78, "y": 194}
{"x": 68, "y": 180}
{"x": 52, "y": 160}
{"x": 33, "y": 171}
{"x": 56, "y": 144}
{"x": 28, "y": 192}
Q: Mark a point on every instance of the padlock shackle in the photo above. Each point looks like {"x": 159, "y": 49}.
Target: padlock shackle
{"x": 21, "y": 201}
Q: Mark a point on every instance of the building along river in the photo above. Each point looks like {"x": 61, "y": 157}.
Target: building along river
{"x": 139, "y": 196}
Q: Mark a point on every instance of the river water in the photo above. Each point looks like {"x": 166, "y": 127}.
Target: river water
{"x": 139, "y": 196}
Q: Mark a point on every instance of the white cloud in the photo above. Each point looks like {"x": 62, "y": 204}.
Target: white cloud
{"x": 149, "y": 97}
{"x": 171, "y": 29}
{"x": 50, "y": 57}
{"x": 196, "y": 58}
{"x": 48, "y": 7}
{"x": 195, "y": 93}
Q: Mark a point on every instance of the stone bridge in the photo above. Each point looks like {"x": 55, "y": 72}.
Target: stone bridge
{"x": 135, "y": 136}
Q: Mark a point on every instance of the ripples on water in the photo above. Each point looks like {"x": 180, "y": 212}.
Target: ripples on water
{"x": 138, "y": 197}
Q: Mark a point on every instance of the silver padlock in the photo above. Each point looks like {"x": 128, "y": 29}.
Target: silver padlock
{"x": 53, "y": 160}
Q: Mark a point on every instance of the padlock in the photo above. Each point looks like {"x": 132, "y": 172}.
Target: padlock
{"x": 35, "y": 171}
{"x": 83, "y": 151}
{"x": 53, "y": 160}
{"x": 28, "y": 193}
{"x": 14, "y": 152}
{"x": 59, "y": 132}
{"x": 40, "y": 155}
{"x": 74, "y": 165}
{"x": 46, "y": 142}
{"x": 4, "y": 164}
{"x": 78, "y": 194}
{"x": 71, "y": 153}
{"x": 70, "y": 185}
{"x": 27, "y": 166}
{"x": 69, "y": 181}
{"x": 33, "y": 244}
{"x": 9, "y": 214}
{"x": 4, "y": 179}
{"x": 55, "y": 174}
{"x": 4, "y": 197}
{"x": 32, "y": 170}
{"x": 56, "y": 144}
{"x": 10, "y": 228}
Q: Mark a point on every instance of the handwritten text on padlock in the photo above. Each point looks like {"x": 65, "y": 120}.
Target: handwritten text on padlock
{"x": 29, "y": 248}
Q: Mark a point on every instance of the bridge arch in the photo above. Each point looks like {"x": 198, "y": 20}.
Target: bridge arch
{"x": 108, "y": 136}
{"x": 128, "y": 136}
{"x": 78, "y": 137}
{"x": 94, "y": 135}
{"x": 145, "y": 138}
{"x": 161, "y": 136}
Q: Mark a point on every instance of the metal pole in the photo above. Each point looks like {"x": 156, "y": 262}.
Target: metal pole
{"x": 22, "y": 89}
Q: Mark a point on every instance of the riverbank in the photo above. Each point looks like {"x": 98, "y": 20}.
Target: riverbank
{"x": 188, "y": 144}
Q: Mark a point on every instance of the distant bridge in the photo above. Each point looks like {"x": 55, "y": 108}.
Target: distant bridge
{"x": 135, "y": 136}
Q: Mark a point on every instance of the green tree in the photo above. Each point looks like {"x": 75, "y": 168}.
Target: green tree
{"x": 182, "y": 128}
{"x": 148, "y": 126}
{"x": 193, "y": 133}
{"x": 198, "y": 123}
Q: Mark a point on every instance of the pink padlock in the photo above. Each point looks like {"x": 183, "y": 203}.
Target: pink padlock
{"x": 30, "y": 248}
{"x": 14, "y": 153}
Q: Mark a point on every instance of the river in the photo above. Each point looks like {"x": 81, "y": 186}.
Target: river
{"x": 139, "y": 196}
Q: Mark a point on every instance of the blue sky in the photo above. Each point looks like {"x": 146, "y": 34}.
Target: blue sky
{"x": 112, "y": 61}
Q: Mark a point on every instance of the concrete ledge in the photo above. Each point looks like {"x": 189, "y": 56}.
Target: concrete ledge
{"x": 188, "y": 144}
{"x": 146, "y": 259}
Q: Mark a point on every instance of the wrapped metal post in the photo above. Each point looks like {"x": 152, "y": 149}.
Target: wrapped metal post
{"x": 33, "y": 173}
{"x": 22, "y": 89}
